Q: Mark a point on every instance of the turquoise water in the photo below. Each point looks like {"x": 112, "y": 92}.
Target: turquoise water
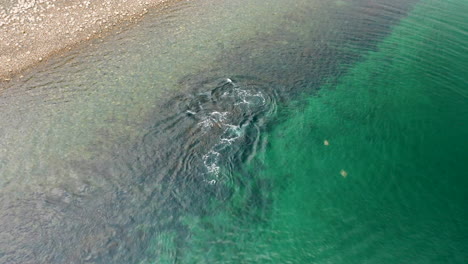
{"x": 396, "y": 124}
{"x": 245, "y": 132}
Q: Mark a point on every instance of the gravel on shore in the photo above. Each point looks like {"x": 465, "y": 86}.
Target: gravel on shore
{"x": 33, "y": 30}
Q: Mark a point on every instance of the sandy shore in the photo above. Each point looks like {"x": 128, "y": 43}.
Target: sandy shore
{"x": 33, "y": 30}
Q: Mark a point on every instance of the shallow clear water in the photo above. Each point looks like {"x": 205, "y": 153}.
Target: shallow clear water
{"x": 198, "y": 136}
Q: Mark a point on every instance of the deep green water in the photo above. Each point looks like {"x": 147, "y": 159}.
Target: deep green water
{"x": 245, "y": 132}
{"x": 396, "y": 122}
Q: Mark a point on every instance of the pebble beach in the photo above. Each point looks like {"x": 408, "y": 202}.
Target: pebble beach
{"x": 33, "y": 30}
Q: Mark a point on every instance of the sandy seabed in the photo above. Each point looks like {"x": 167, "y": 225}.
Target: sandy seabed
{"x": 33, "y": 30}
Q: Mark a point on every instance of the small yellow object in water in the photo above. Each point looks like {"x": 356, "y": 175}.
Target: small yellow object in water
{"x": 326, "y": 143}
{"x": 343, "y": 173}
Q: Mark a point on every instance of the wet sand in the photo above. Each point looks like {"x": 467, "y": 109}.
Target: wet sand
{"x": 33, "y": 30}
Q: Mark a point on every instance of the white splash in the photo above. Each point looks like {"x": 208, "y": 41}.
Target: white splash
{"x": 244, "y": 100}
{"x": 213, "y": 119}
{"x": 210, "y": 160}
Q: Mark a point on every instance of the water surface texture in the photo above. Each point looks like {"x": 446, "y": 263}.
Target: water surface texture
{"x": 245, "y": 132}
